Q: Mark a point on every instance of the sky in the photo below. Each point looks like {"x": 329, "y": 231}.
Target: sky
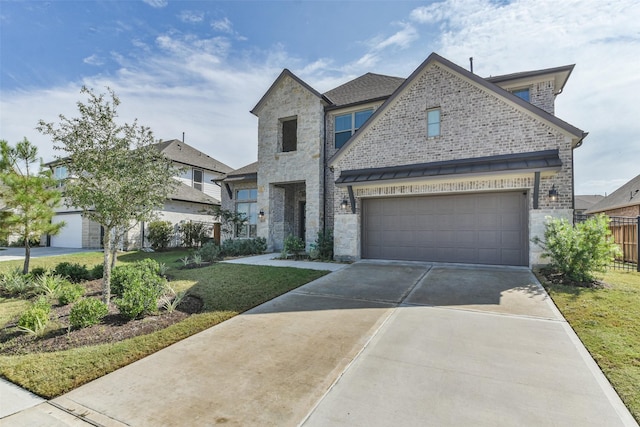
{"x": 199, "y": 67}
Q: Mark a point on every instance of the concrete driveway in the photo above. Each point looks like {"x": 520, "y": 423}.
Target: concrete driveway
{"x": 9, "y": 254}
{"x": 373, "y": 344}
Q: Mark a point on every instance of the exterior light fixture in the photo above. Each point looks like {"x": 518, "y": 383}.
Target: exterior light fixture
{"x": 261, "y": 214}
{"x": 553, "y": 194}
{"x": 344, "y": 205}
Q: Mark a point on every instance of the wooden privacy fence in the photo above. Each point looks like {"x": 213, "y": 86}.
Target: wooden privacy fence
{"x": 626, "y": 234}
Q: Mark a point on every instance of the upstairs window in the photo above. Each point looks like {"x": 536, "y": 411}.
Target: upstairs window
{"x": 347, "y": 124}
{"x": 247, "y": 206}
{"x": 289, "y": 135}
{"x": 197, "y": 179}
{"x": 60, "y": 173}
{"x": 433, "y": 123}
{"x": 522, "y": 94}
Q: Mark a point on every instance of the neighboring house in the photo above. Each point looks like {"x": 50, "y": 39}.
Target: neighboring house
{"x": 442, "y": 166}
{"x": 583, "y": 202}
{"x": 625, "y": 201}
{"x": 192, "y": 200}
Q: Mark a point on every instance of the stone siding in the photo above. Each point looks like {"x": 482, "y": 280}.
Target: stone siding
{"x": 279, "y": 170}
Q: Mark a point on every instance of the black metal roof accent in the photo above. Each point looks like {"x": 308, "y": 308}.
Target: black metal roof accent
{"x": 537, "y": 160}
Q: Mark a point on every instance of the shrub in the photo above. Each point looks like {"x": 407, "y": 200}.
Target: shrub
{"x": 160, "y": 234}
{"x": 38, "y": 271}
{"x": 323, "y": 246}
{"x": 172, "y": 300}
{"x": 194, "y": 234}
{"x": 50, "y": 284}
{"x": 578, "y": 251}
{"x": 293, "y": 245}
{"x": 97, "y": 271}
{"x": 87, "y": 312}
{"x": 70, "y": 293}
{"x": 241, "y": 247}
{"x": 74, "y": 272}
{"x": 16, "y": 284}
{"x": 137, "y": 299}
{"x": 209, "y": 252}
{"x": 146, "y": 271}
{"x": 35, "y": 318}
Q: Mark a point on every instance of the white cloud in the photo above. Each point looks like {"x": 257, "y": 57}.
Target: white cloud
{"x": 157, "y": 3}
{"x": 401, "y": 39}
{"x": 93, "y": 60}
{"x": 191, "y": 17}
{"x": 600, "y": 37}
{"x": 223, "y": 25}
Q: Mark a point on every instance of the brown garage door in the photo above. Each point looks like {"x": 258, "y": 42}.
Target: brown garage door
{"x": 485, "y": 228}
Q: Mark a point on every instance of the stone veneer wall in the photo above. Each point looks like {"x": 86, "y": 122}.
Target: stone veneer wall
{"x": 289, "y": 99}
{"x": 474, "y": 123}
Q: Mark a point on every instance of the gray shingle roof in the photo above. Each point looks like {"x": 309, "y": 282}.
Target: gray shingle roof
{"x": 367, "y": 87}
{"x": 627, "y": 195}
{"x": 189, "y": 194}
{"x": 183, "y": 153}
{"x": 585, "y": 201}
{"x": 245, "y": 173}
{"x": 538, "y": 160}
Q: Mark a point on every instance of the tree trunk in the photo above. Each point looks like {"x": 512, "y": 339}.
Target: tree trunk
{"x": 106, "y": 276}
{"x": 27, "y": 256}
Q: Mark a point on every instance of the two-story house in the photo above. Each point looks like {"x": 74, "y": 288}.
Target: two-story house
{"x": 192, "y": 200}
{"x": 442, "y": 166}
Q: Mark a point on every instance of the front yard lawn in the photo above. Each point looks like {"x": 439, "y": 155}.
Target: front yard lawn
{"x": 225, "y": 290}
{"x": 607, "y": 320}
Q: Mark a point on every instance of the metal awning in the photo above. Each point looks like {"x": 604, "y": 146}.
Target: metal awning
{"x": 537, "y": 161}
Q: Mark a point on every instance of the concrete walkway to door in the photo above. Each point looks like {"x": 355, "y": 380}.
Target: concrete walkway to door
{"x": 373, "y": 344}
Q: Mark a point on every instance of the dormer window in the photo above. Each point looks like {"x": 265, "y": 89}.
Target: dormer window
{"x": 522, "y": 94}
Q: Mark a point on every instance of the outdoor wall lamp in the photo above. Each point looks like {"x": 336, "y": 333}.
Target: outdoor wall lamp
{"x": 344, "y": 205}
{"x": 261, "y": 214}
{"x": 553, "y": 194}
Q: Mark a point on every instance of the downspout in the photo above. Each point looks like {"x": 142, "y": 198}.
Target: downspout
{"x": 324, "y": 173}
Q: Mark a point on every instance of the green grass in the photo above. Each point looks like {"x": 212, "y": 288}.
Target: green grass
{"x": 608, "y": 323}
{"x": 170, "y": 258}
{"x": 226, "y": 289}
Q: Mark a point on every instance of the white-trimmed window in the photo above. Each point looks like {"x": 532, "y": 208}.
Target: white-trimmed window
{"x": 247, "y": 205}
{"x": 347, "y": 124}
{"x": 433, "y": 123}
{"x": 197, "y": 179}
{"x": 60, "y": 173}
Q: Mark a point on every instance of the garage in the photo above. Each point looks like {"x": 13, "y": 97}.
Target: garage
{"x": 70, "y": 235}
{"x": 479, "y": 228}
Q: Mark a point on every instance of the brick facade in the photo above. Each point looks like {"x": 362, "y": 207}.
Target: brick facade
{"x": 477, "y": 120}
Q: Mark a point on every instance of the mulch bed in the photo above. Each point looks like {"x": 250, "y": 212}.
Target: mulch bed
{"x": 113, "y": 327}
{"x": 553, "y": 277}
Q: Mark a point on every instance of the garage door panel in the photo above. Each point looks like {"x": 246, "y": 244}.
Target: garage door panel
{"x": 485, "y": 228}
{"x": 70, "y": 236}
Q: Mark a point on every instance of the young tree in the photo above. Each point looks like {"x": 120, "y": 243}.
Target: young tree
{"x": 29, "y": 193}
{"x": 117, "y": 177}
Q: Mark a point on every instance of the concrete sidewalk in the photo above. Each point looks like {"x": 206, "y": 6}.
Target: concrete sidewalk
{"x": 372, "y": 344}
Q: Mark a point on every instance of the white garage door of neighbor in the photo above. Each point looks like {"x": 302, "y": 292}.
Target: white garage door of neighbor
{"x": 480, "y": 228}
{"x": 70, "y": 235}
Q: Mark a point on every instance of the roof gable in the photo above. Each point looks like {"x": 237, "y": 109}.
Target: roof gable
{"x": 576, "y": 134}
{"x": 286, "y": 73}
{"x": 627, "y": 195}
{"x": 183, "y": 153}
